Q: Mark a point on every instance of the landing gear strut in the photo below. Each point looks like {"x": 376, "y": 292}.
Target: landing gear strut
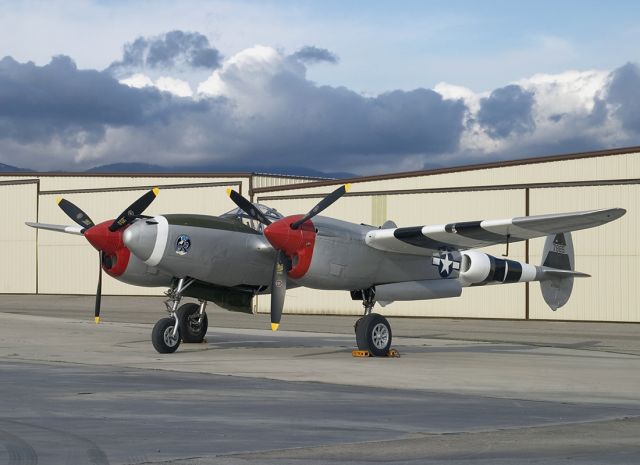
{"x": 373, "y": 331}
{"x": 186, "y": 323}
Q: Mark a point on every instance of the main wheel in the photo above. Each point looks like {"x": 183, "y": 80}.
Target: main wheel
{"x": 192, "y": 329}
{"x": 373, "y": 333}
{"x": 162, "y": 336}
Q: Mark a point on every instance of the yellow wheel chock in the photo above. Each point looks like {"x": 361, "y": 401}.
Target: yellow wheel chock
{"x": 365, "y": 353}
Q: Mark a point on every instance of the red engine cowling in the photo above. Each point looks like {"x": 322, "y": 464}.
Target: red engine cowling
{"x": 296, "y": 243}
{"x": 115, "y": 255}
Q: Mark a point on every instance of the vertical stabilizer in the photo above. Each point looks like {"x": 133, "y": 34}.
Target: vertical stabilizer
{"x": 558, "y": 254}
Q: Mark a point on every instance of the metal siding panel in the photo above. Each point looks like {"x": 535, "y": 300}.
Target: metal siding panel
{"x": 625, "y": 166}
{"x": 65, "y": 183}
{"x": 412, "y": 210}
{"x": 18, "y": 203}
{"x": 261, "y": 180}
{"x": 609, "y": 253}
{"x": 68, "y": 264}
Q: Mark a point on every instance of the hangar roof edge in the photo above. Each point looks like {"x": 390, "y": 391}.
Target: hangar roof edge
{"x": 456, "y": 169}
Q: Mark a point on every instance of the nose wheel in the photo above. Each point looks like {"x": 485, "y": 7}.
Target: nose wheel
{"x": 186, "y": 323}
{"x": 164, "y": 337}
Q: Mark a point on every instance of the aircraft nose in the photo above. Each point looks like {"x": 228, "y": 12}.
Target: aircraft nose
{"x": 140, "y": 238}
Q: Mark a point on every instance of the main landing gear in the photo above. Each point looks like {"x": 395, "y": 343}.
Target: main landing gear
{"x": 187, "y": 323}
{"x": 373, "y": 331}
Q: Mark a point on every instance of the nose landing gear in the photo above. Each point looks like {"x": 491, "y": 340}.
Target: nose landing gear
{"x": 187, "y": 323}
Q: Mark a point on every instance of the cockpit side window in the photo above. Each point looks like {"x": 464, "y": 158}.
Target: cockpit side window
{"x": 239, "y": 215}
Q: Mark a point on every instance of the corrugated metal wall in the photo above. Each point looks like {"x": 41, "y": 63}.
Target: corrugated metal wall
{"x": 18, "y": 203}
{"x": 608, "y": 253}
{"x": 66, "y": 264}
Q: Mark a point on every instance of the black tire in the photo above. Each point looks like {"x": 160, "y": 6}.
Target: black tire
{"x": 190, "y": 330}
{"x": 161, "y": 336}
{"x": 373, "y": 333}
{"x": 356, "y": 324}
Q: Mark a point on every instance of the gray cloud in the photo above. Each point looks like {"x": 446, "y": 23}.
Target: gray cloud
{"x": 310, "y": 55}
{"x": 263, "y": 111}
{"x": 58, "y": 103}
{"x": 623, "y": 93}
{"x": 507, "y": 111}
{"x": 175, "y": 48}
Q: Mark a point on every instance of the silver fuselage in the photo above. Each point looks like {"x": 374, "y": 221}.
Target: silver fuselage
{"x": 226, "y": 252}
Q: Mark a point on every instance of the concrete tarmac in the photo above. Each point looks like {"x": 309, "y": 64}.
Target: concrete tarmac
{"x": 464, "y": 391}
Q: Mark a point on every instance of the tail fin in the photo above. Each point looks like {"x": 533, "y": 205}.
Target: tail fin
{"x": 558, "y": 255}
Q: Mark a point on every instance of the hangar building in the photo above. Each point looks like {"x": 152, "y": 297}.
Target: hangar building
{"x": 49, "y": 263}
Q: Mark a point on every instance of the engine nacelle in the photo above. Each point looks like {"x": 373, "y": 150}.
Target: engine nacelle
{"x": 481, "y": 268}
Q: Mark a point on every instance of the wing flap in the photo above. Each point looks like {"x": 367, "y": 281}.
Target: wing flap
{"x": 423, "y": 240}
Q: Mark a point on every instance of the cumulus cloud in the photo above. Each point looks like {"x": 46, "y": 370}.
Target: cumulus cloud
{"x": 623, "y": 94}
{"x": 257, "y": 107}
{"x": 271, "y": 95}
{"x": 166, "y": 51}
{"x": 310, "y": 55}
{"x": 168, "y": 84}
{"x": 507, "y": 111}
{"x": 67, "y": 108}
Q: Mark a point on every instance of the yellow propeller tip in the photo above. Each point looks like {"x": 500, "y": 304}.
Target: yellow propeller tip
{"x": 97, "y": 319}
{"x": 58, "y": 200}
{"x": 347, "y": 187}
{"x": 275, "y": 326}
{"x": 155, "y": 191}
{"x": 229, "y": 191}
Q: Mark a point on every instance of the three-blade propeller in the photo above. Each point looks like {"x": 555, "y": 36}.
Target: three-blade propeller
{"x": 101, "y": 239}
{"x": 285, "y": 237}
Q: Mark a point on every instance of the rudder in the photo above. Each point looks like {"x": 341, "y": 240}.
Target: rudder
{"x": 558, "y": 254}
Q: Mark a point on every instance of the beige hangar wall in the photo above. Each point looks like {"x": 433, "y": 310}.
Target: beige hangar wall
{"x": 609, "y": 253}
{"x": 47, "y": 262}
{"x": 52, "y": 263}
{"x": 18, "y": 203}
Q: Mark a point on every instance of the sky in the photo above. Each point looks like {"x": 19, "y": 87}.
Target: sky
{"x": 335, "y": 86}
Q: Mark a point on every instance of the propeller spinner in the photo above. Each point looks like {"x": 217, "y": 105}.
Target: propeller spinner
{"x": 294, "y": 238}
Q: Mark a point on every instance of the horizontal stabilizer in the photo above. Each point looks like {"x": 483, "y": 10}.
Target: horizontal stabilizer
{"x": 552, "y": 273}
{"x": 57, "y": 227}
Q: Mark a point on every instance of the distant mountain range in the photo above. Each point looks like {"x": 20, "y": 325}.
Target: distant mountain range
{"x": 151, "y": 168}
{"x": 11, "y": 169}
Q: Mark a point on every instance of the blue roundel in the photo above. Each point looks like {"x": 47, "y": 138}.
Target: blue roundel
{"x": 183, "y": 244}
{"x": 445, "y": 261}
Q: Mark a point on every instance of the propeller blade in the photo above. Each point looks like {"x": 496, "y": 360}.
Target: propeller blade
{"x": 134, "y": 210}
{"x": 75, "y": 213}
{"x": 99, "y": 290}
{"x": 248, "y": 207}
{"x": 323, "y": 204}
{"x": 278, "y": 288}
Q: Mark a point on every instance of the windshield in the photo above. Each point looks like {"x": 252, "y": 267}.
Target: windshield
{"x": 271, "y": 213}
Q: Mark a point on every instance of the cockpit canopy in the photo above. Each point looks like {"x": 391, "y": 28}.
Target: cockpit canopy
{"x": 238, "y": 214}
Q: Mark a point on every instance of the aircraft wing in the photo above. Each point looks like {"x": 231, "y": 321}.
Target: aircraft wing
{"x": 57, "y": 227}
{"x": 423, "y": 240}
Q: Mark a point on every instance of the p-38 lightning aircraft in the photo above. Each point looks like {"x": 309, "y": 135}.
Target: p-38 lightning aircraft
{"x": 253, "y": 249}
